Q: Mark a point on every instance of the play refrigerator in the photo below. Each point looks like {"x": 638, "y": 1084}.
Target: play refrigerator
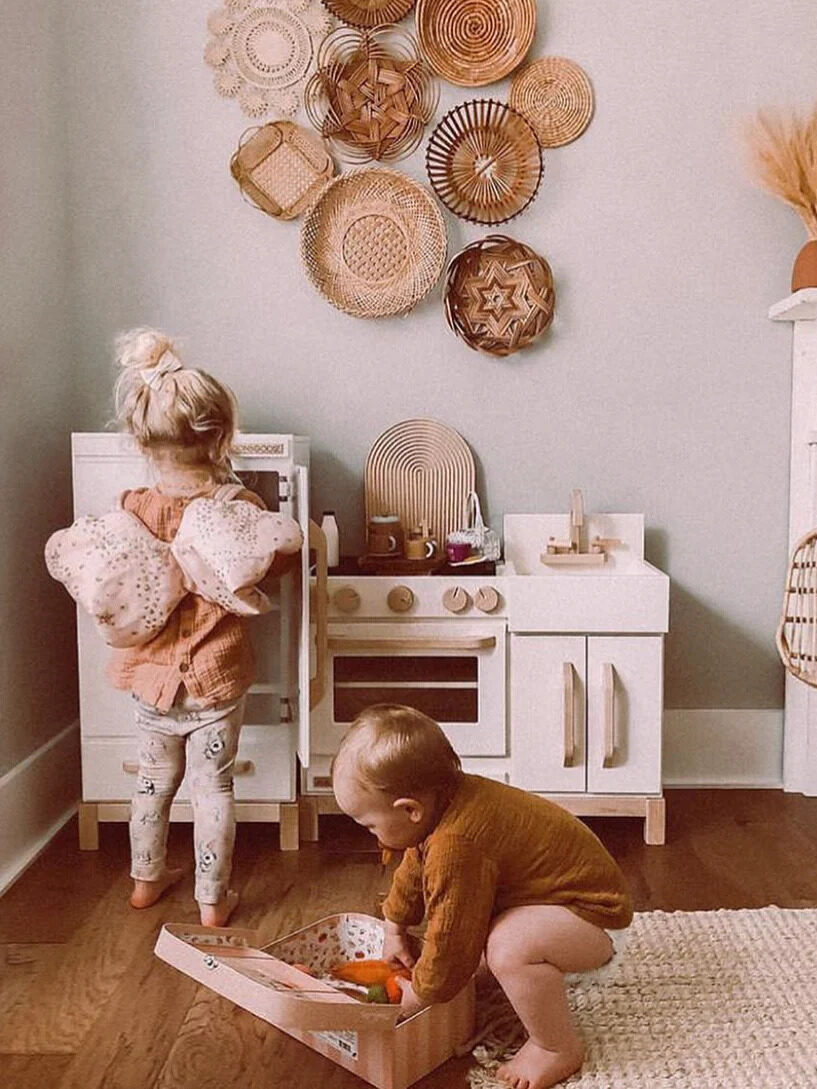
{"x": 276, "y": 725}
{"x": 269, "y": 981}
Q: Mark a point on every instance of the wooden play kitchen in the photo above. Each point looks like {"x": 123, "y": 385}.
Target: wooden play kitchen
{"x": 286, "y": 983}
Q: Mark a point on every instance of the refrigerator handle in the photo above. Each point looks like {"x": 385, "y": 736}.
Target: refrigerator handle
{"x": 317, "y": 685}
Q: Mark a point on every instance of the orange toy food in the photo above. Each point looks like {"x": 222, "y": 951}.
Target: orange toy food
{"x": 363, "y": 971}
{"x": 393, "y": 988}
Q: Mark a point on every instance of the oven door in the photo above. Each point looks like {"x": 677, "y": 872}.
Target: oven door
{"x": 451, "y": 670}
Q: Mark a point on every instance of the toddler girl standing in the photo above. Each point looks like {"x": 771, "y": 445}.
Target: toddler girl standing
{"x": 189, "y": 682}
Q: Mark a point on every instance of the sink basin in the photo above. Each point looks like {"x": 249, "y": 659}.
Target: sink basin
{"x": 625, "y": 594}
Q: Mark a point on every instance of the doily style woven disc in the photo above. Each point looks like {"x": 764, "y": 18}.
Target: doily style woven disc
{"x": 556, "y": 97}
{"x": 474, "y": 42}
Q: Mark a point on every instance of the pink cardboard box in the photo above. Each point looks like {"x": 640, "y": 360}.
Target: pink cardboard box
{"x": 366, "y": 1039}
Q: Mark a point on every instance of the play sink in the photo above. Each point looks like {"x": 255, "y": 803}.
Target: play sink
{"x": 624, "y": 594}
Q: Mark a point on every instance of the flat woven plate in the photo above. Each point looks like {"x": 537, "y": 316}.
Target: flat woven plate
{"x": 499, "y": 295}
{"x": 556, "y": 97}
{"x": 369, "y": 13}
{"x": 474, "y": 42}
{"x": 374, "y": 242}
{"x": 372, "y": 94}
{"x": 484, "y": 161}
{"x": 281, "y": 168}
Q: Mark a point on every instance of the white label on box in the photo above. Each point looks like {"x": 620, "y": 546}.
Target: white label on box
{"x": 343, "y": 1041}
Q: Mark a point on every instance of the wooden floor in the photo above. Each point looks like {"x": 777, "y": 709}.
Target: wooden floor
{"x": 85, "y": 1005}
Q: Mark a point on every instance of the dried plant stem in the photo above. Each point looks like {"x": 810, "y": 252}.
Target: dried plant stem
{"x": 784, "y": 155}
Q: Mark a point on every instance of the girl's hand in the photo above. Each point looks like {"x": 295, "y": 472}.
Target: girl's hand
{"x": 410, "y": 1003}
{"x": 397, "y": 945}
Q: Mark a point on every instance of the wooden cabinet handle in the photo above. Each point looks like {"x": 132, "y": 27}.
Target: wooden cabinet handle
{"x": 569, "y": 694}
{"x": 317, "y": 685}
{"x": 608, "y": 690}
{"x": 343, "y": 644}
{"x": 241, "y": 767}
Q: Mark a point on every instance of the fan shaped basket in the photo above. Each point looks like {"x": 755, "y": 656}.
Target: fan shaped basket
{"x": 474, "y": 42}
{"x": 420, "y": 470}
{"x": 371, "y": 95}
{"x": 499, "y": 295}
{"x": 797, "y": 630}
{"x": 484, "y": 162}
{"x": 369, "y": 13}
{"x": 281, "y": 168}
{"x": 555, "y": 96}
{"x": 374, "y": 243}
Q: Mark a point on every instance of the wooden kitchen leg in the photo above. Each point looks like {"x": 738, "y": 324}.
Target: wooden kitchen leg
{"x": 655, "y": 821}
{"x": 308, "y": 819}
{"x": 289, "y": 826}
{"x": 88, "y": 827}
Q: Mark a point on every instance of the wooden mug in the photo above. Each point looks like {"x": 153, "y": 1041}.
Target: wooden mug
{"x": 385, "y": 535}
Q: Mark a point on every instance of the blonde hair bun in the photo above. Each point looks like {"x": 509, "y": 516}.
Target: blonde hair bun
{"x": 161, "y": 402}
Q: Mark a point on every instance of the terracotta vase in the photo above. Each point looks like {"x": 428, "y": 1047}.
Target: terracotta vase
{"x": 804, "y": 273}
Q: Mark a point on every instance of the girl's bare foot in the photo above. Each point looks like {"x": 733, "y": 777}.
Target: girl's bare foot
{"x": 534, "y": 1067}
{"x": 219, "y": 914}
{"x": 146, "y": 893}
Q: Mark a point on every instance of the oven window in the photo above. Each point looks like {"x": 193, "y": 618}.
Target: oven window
{"x": 442, "y": 687}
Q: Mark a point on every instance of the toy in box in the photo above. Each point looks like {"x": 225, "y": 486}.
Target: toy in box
{"x": 281, "y": 982}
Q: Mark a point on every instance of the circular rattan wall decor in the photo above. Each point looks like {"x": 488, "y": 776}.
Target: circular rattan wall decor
{"x": 474, "y": 42}
{"x": 555, "y": 95}
{"x": 484, "y": 161}
{"x": 499, "y": 295}
{"x": 281, "y": 168}
{"x": 263, "y": 51}
{"x": 374, "y": 242}
{"x": 421, "y": 470}
{"x": 369, "y": 13}
{"x": 372, "y": 94}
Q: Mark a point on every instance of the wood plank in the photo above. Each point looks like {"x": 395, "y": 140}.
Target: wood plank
{"x": 32, "y": 1071}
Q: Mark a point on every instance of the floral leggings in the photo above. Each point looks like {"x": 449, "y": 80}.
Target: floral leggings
{"x": 202, "y": 741}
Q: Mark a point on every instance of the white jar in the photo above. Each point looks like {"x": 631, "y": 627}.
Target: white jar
{"x": 330, "y": 531}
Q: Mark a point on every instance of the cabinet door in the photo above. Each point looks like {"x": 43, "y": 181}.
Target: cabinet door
{"x": 624, "y": 711}
{"x": 547, "y": 712}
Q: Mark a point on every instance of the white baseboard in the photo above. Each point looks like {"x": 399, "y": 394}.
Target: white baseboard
{"x": 723, "y": 748}
{"x": 37, "y": 797}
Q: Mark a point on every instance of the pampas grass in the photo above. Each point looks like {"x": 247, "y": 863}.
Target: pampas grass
{"x": 784, "y": 156}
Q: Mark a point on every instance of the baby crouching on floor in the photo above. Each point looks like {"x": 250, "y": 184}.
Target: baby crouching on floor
{"x": 491, "y": 869}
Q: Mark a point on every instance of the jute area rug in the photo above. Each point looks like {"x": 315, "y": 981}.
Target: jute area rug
{"x": 694, "y": 1000}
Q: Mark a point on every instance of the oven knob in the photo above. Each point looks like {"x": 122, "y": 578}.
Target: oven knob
{"x": 486, "y": 599}
{"x": 400, "y": 599}
{"x": 346, "y": 599}
{"x": 456, "y": 599}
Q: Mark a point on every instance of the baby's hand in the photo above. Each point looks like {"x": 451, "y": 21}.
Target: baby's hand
{"x": 396, "y": 945}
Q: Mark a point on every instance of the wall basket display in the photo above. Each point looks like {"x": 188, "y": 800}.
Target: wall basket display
{"x": 264, "y": 50}
{"x": 371, "y": 95}
{"x": 555, "y": 95}
{"x": 374, "y": 242}
{"x": 422, "y": 471}
{"x": 499, "y": 295}
{"x": 484, "y": 161}
{"x": 369, "y": 13}
{"x": 281, "y": 168}
{"x": 474, "y": 42}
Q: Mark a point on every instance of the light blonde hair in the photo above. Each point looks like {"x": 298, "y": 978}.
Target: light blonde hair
{"x": 161, "y": 402}
{"x": 399, "y": 751}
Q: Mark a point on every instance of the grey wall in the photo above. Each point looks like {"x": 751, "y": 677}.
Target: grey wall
{"x": 662, "y": 386}
{"x": 37, "y": 654}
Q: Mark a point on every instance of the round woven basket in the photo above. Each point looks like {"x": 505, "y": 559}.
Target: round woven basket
{"x": 555, "y": 95}
{"x": 474, "y": 42}
{"x": 374, "y": 242}
{"x": 484, "y": 162}
{"x": 371, "y": 95}
{"x": 499, "y": 295}
{"x": 369, "y": 13}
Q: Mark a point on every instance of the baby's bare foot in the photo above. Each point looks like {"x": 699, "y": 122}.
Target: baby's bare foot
{"x": 219, "y": 914}
{"x": 146, "y": 893}
{"x": 534, "y": 1067}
